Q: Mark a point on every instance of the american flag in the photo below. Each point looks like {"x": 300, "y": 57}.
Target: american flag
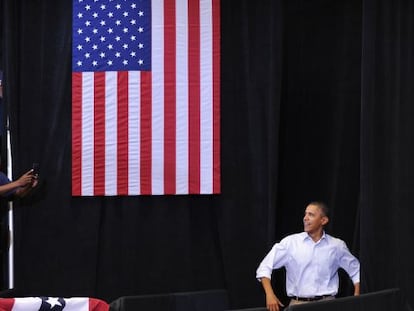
{"x": 145, "y": 97}
{"x": 53, "y": 304}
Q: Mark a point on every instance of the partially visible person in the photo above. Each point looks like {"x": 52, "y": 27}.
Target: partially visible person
{"x": 2, "y": 128}
{"x": 311, "y": 259}
{"x": 1, "y": 84}
{"x": 17, "y": 188}
{"x": 10, "y": 190}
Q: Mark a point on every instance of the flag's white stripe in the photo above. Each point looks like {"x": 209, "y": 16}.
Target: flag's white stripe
{"x": 111, "y": 132}
{"x": 27, "y": 304}
{"x": 182, "y": 97}
{"x": 87, "y": 133}
{"x": 77, "y": 304}
{"x": 206, "y": 94}
{"x": 157, "y": 59}
{"x": 134, "y": 132}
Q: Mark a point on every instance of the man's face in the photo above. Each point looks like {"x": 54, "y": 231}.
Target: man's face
{"x": 313, "y": 220}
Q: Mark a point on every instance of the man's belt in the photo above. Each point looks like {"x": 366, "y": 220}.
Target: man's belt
{"x": 315, "y": 298}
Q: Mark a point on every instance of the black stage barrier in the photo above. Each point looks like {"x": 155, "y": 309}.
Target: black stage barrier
{"x": 385, "y": 300}
{"x": 209, "y": 300}
{"x": 249, "y": 309}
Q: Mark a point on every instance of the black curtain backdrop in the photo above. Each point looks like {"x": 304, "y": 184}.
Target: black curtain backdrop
{"x": 387, "y": 145}
{"x": 293, "y": 129}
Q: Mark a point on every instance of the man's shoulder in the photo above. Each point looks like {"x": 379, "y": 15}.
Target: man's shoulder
{"x": 334, "y": 240}
{"x": 295, "y": 236}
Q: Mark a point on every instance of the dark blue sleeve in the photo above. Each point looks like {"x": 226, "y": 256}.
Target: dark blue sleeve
{"x": 3, "y": 181}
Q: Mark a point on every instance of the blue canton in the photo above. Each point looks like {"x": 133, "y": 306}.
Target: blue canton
{"x": 111, "y": 35}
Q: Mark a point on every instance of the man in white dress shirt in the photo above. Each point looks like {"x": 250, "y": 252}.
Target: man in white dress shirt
{"x": 311, "y": 259}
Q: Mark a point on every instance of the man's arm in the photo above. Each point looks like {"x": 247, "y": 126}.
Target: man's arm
{"x": 26, "y": 179}
{"x": 272, "y": 302}
{"x": 356, "y": 289}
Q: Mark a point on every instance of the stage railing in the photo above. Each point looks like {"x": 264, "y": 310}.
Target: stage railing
{"x": 385, "y": 300}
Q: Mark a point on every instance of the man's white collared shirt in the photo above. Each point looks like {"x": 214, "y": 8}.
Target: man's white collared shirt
{"x": 311, "y": 267}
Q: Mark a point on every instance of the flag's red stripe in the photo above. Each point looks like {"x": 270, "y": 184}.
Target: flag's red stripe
{"x": 98, "y": 305}
{"x": 194, "y": 96}
{"x": 76, "y": 133}
{"x": 99, "y": 134}
{"x": 122, "y": 146}
{"x": 216, "y": 96}
{"x": 146, "y": 133}
{"x": 6, "y": 304}
{"x": 169, "y": 97}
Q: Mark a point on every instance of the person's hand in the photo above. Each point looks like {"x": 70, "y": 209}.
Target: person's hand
{"x": 26, "y": 179}
{"x": 273, "y": 303}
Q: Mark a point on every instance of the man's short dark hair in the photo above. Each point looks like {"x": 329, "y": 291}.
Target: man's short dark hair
{"x": 322, "y": 206}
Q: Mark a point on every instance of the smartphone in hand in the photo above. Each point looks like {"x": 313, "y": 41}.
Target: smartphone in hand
{"x": 35, "y": 168}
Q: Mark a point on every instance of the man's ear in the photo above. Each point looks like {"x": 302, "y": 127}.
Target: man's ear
{"x": 325, "y": 220}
